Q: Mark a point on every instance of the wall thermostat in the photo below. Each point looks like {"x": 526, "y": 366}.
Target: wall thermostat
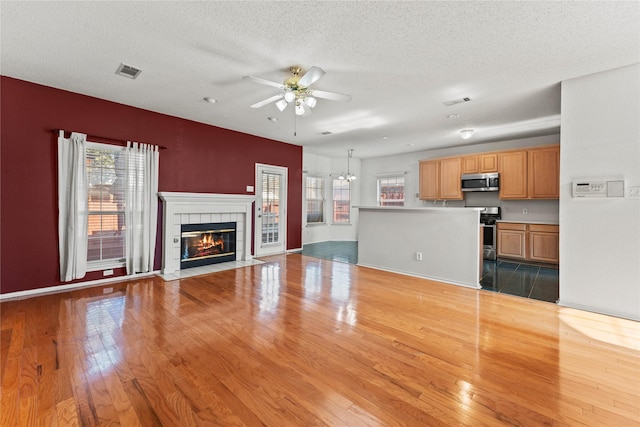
{"x": 589, "y": 188}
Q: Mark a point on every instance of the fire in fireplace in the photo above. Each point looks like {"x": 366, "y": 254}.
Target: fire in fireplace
{"x": 204, "y": 244}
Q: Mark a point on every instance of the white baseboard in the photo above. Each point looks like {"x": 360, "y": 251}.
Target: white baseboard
{"x": 72, "y": 286}
{"x": 598, "y": 310}
{"x": 435, "y": 279}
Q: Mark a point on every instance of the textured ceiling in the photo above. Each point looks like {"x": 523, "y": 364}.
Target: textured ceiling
{"x": 398, "y": 60}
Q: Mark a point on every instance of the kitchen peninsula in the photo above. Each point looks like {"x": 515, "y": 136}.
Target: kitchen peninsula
{"x": 440, "y": 244}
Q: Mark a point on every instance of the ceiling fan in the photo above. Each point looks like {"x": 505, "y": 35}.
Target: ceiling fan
{"x": 295, "y": 89}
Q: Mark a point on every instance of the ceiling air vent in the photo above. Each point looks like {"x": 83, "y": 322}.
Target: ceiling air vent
{"x": 128, "y": 71}
{"x": 456, "y": 101}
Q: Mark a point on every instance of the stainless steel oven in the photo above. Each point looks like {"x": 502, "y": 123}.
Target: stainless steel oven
{"x": 488, "y": 217}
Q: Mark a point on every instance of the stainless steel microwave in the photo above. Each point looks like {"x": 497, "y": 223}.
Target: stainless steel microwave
{"x": 481, "y": 182}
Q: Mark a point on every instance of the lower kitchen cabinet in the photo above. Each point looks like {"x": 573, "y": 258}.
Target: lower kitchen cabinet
{"x": 512, "y": 240}
{"x": 544, "y": 243}
{"x": 534, "y": 242}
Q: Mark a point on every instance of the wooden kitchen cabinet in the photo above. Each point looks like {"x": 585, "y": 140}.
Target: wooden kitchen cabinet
{"x": 429, "y": 179}
{"x": 511, "y": 240}
{"x": 530, "y": 174}
{"x": 480, "y": 163}
{"x": 544, "y": 173}
{"x": 440, "y": 179}
{"x": 534, "y": 242}
{"x": 488, "y": 162}
{"x": 450, "y": 183}
{"x": 513, "y": 168}
{"x": 470, "y": 164}
{"x": 544, "y": 243}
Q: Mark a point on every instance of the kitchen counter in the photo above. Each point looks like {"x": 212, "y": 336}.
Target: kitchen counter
{"x": 529, "y": 222}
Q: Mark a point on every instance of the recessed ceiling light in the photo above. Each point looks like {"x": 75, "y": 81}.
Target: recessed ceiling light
{"x": 385, "y": 137}
{"x": 410, "y": 145}
{"x": 453, "y": 116}
{"x": 272, "y": 119}
{"x": 210, "y": 100}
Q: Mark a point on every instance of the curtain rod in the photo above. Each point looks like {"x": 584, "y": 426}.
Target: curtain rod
{"x": 119, "y": 141}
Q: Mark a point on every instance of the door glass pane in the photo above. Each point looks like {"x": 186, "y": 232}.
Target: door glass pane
{"x": 270, "y": 207}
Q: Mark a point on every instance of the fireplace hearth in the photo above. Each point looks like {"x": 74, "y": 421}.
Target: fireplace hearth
{"x": 204, "y": 244}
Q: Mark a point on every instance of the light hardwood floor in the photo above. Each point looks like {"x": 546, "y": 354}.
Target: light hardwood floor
{"x": 299, "y": 341}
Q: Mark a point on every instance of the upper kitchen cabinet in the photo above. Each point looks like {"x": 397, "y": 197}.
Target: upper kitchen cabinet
{"x": 429, "y": 179}
{"x": 480, "y": 163}
{"x": 544, "y": 173}
{"x": 512, "y": 167}
{"x": 440, "y": 179}
{"x": 530, "y": 174}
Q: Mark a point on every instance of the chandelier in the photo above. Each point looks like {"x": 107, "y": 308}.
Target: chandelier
{"x": 348, "y": 175}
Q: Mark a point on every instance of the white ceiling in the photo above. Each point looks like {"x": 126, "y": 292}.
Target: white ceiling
{"x": 398, "y": 60}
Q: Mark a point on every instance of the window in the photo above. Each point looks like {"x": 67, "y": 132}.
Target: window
{"x": 315, "y": 200}
{"x": 341, "y": 201}
{"x": 391, "y": 191}
{"x": 106, "y": 204}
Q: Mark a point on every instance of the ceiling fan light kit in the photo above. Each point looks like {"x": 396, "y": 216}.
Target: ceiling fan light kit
{"x": 296, "y": 89}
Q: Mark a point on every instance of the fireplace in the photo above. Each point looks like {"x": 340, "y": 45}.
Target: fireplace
{"x": 204, "y": 244}
{"x": 199, "y": 208}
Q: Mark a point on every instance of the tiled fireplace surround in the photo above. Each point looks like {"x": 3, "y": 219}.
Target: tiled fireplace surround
{"x": 195, "y": 208}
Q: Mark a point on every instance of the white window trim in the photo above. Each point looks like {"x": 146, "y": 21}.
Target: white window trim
{"x": 395, "y": 176}
{"x": 332, "y": 204}
{"x": 324, "y": 199}
{"x": 99, "y": 265}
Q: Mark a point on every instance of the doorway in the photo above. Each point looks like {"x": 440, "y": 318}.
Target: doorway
{"x": 271, "y": 210}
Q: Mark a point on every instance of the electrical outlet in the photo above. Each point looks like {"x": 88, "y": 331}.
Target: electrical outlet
{"x": 525, "y": 211}
{"x": 107, "y": 290}
{"x": 419, "y": 256}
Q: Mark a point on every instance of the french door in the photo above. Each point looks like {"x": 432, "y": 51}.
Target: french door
{"x": 271, "y": 210}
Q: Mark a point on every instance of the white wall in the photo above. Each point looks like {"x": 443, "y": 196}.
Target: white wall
{"x": 539, "y": 210}
{"x": 600, "y": 239}
{"x": 447, "y": 239}
{"x": 327, "y": 167}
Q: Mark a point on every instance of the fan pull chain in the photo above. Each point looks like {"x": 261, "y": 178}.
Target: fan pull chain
{"x": 295, "y": 123}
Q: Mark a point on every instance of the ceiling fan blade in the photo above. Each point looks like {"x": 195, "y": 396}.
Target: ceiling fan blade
{"x": 333, "y": 96}
{"x": 264, "y": 82}
{"x": 311, "y": 76}
{"x": 267, "y": 101}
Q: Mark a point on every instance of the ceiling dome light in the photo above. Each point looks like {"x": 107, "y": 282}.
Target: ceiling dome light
{"x": 466, "y": 133}
{"x": 210, "y": 100}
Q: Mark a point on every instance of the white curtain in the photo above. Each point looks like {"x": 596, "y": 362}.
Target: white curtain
{"x": 72, "y": 206}
{"x": 141, "y": 214}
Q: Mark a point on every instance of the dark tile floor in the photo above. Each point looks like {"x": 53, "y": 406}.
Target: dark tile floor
{"x": 523, "y": 280}
{"x": 507, "y": 277}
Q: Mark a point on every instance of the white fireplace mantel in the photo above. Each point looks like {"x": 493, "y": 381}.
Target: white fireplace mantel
{"x": 195, "y": 208}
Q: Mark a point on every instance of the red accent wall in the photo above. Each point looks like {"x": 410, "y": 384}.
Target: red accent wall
{"x": 199, "y": 158}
